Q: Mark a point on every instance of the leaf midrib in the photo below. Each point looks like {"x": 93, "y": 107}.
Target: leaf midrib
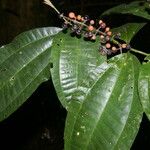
{"x": 24, "y": 67}
{"x": 30, "y": 81}
{"x": 91, "y": 135}
{"x": 44, "y": 37}
{"x": 128, "y": 113}
{"x": 25, "y": 87}
{"x": 86, "y": 97}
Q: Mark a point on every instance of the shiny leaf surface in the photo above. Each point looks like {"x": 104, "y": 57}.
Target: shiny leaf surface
{"x": 73, "y": 60}
{"x": 24, "y": 65}
{"x": 137, "y": 8}
{"x": 128, "y": 31}
{"x": 109, "y": 116}
{"x": 144, "y": 87}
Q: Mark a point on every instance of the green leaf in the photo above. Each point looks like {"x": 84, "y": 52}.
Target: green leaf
{"x": 137, "y": 8}
{"x": 73, "y": 60}
{"x": 128, "y": 31}
{"x": 24, "y": 64}
{"x": 144, "y": 87}
{"x": 109, "y": 116}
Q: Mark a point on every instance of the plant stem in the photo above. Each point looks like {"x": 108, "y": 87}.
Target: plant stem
{"x": 82, "y": 24}
{"x": 48, "y": 2}
{"x": 70, "y": 21}
{"x": 139, "y": 52}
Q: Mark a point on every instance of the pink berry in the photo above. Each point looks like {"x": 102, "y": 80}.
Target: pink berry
{"x": 92, "y": 22}
{"x": 71, "y": 15}
{"x": 90, "y": 28}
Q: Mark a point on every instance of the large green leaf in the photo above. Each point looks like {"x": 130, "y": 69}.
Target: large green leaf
{"x": 109, "y": 115}
{"x": 128, "y": 31}
{"x": 73, "y": 60}
{"x": 137, "y": 8}
{"x": 24, "y": 64}
{"x": 144, "y": 87}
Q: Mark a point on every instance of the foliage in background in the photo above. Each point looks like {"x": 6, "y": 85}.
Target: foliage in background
{"x": 103, "y": 96}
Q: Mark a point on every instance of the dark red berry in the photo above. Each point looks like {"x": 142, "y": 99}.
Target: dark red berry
{"x": 75, "y": 27}
{"x": 86, "y": 34}
{"x": 117, "y": 36}
{"x": 107, "y": 38}
{"x": 86, "y": 17}
{"x": 78, "y": 32}
{"x": 90, "y": 34}
{"x": 105, "y": 51}
{"x": 103, "y": 25}
{"x": 64, "y": 26}
{"x": 128, "y": 47}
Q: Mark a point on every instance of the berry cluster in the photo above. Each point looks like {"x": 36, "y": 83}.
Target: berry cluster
{"x": 83, "y": 25}
{"x": 79, "y": 25}
{"x": 87, "y": 27}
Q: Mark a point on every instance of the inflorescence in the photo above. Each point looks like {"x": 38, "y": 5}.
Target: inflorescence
{"x": 89, "y": 29}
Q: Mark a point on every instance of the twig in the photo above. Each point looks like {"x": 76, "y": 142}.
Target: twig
{"x": 49, "y": 3}
{"x": 139, "y": 52}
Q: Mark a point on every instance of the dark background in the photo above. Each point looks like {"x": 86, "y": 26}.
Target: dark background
{"x": 39, "y": 123}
